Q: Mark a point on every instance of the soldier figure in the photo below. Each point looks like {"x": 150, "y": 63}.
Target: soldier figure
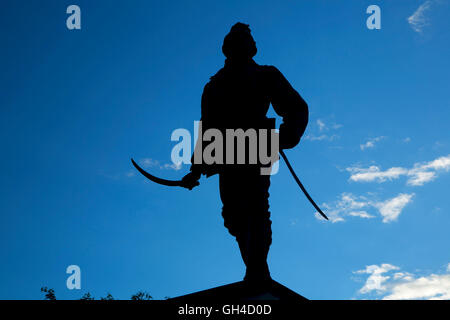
{"x": 239, "y": 96}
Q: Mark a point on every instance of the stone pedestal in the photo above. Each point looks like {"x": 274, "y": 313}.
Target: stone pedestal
{"x": 242, "y": 291}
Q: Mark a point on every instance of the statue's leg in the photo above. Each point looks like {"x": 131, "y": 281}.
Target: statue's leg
{"x": 246, "y": 215}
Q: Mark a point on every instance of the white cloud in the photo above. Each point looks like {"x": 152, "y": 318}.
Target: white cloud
{"x": 426, "y": 172}
{"x": 321, "y": 124}
{"x": 373, "y": 173}
{"x": 148, "y": 163}
{"x": 388, "y": 283}
{"x": 371, "y": 143}
{"x": 349, "y": 205}
{"x": 376, "y": 280}
{"x": 391, "y": 209}
{"x": 442, "y": 163}
{"x": 130, "y": 174}
{"x": 312, "y": 137}
{"x": 361, "y": 214}
{"x": 173, "y": 166}
{"x": 419, "y": 178}
{"x": 420, "y": 174}
{"x": 151, "y": 163}
{"x": 432, "y": 287}
{"x": 418, "y": 20}
{"x": 323, "y": 127}
{"x": 403, "y": 275}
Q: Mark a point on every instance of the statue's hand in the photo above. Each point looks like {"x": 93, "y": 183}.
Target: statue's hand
{"x": 190, "y": 180}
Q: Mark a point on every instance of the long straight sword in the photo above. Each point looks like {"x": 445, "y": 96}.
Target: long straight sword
{"x": 301, "y": 185}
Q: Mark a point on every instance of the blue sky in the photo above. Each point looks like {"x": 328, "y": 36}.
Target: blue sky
{"x": 76, "y": 105}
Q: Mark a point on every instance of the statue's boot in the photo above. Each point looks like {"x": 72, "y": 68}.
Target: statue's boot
{"x": 254, "y": 246}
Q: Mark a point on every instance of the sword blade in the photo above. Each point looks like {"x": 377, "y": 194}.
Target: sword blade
{"x": 301, "y": 185}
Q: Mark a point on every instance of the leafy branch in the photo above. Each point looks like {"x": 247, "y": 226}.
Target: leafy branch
{"x": 140, "y": 295}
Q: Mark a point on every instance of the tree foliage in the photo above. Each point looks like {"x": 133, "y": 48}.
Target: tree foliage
{"x": 140, "y": 295}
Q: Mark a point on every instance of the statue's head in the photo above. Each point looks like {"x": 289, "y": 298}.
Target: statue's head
{"x": 239, "y": 43}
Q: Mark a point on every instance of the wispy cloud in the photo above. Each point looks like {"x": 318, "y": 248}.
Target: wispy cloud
{"x": 152, "y": 163}
{"x": 145, "y": 163}
{"x": 418, "y": 20}
{"x": 418, "y": 175}
{"x": 349, "y": 205}
{"x": 373, "y": 173}
{"x": 321, "y": 137}
{"x": 388, "y": 282}
{"x": 130, "y": 174}
{"x": 322, "y": 127}
{"x": 346, "y": 205}
{"x": 371, "y": 143}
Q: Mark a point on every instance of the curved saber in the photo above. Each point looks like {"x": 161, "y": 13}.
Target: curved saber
{"x": 170, "y": 183}
{"x": 177, "y": 183}
{"x": 301, "y": 185}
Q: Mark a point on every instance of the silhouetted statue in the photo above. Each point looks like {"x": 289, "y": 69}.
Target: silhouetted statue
{"x": 239, "y": 96}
